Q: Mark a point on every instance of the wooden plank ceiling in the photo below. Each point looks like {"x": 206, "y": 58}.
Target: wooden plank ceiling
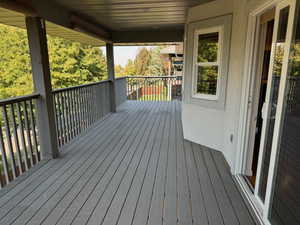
{"x": 132, "y": 15}
{"x": 98, "y": 21}
{"x": 11, "y": 18}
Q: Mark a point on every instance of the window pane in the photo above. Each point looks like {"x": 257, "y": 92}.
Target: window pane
{"x": 207, "y": 80}
{"x": 285, "y": 206}
{"x": 278, "y": 60}
{"x": 208, "y": 47}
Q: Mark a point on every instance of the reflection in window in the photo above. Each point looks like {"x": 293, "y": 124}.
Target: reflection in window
{"x": 276, "y": 75}
{"x": 207, "y": 64}
{"x": 285, "y": 206}
{"x": 207, "y": 80}
{"x": 208, "y": 47}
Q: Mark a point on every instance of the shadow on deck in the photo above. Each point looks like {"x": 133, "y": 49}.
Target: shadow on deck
{"x": 133, "y": 167}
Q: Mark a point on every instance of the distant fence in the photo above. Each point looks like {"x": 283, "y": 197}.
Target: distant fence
{"x": 160, "y": 88}
{"x": 19, "y": 142}
{"x": 77, "y": 108}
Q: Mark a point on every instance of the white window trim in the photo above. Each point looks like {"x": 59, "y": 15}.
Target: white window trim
{"x": 196, "y": 64}
{"x": 223, "y": 23}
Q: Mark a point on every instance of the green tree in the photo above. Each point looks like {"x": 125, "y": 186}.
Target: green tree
{"x": 156, "y": 67}
{"x": 15, "y": 68}
{"x": 129, "y": 69}
{"x": 119, "y": 71}
{"x": 142, "y": 62}
{"x": 71, "y": 63}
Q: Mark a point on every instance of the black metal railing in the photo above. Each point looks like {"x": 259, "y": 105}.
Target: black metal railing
{"x": 159, "y": 88}
{"x": 19, "y": 142}
{"x": 77, "y": 108}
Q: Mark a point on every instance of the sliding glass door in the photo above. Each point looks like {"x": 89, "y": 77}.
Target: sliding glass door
{"x": 270, "y": 106}
{"x": 284, "y": 199}
{"x": 278, "y": 186}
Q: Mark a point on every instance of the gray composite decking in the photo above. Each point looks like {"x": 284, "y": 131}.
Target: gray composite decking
{"x": 133, "y": 167}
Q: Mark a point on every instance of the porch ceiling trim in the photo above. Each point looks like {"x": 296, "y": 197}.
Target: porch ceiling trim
{"x": 79, "y": 19}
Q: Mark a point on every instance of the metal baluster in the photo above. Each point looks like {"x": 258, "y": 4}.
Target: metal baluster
{"x": 84, "y": 105}
{"x": 95, "y": 105}
{"x": 28, "y": 135}
{"x": 9, "y": 142}
{"x": 76, "y": 111}
{"x": 24, "y": 147}
{"x": 56, "y": 119}
{"x": 72, "y": 93}
{"x": 16, "y": 138}
{"x": 98, "y": 98}
{"x": 64, "y": 124}
{"x": 71, "y": 116}
{"x": 4, "y": 156}
{"x": 127, "y": 87}
{"x": 71, "y": 112}
{"x": 89, "y": 100}
{"x": 79, "y": 109}
{"x": 60, "y": 119}
{"x": 69, "y": 129}
{"x": 87, "y": 107}
{"x": 81, "y": 106}
{"x": 65, "y": 104}
{"x": 33, "y": 126}
{"x": 146, "y": 90}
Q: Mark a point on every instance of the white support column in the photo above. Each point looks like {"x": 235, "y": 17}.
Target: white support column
{"x": 42, "y": 83}
{"x": 111, "y": 74}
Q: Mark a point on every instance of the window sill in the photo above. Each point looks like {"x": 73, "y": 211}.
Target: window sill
{"x": 205, "y": 97}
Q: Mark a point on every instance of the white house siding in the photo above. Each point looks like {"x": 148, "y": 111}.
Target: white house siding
{"x": 215, "y": 127}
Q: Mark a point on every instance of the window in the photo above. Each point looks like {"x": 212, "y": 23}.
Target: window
{"x": 207, "y": 57}
{"x": 207, "y": 49}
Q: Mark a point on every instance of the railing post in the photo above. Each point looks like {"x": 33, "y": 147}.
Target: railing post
{"x": 111, "y": 74}
{"x": 42, "y": 83}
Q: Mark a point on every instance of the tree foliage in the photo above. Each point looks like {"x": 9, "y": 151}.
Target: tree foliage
{"x": 71, "y": 63}
{"x": 15, "y": 68}
{"x": 148, "y": 62}
{"x": 142, "y": 62}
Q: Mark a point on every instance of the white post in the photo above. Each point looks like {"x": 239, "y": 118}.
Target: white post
{"x": 111, "y": 74}
{"x": 42, "y": 84}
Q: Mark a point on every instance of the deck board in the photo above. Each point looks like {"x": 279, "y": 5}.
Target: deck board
{"x": 131, "y": 168}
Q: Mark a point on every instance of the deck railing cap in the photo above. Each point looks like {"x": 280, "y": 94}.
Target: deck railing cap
{"x": 18, "y": 99}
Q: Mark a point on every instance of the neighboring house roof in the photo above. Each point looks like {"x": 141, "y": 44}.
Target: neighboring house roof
{"x": 172, "y": 50}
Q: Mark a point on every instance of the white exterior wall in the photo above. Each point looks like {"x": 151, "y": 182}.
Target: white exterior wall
{"x": 214, "y": 127}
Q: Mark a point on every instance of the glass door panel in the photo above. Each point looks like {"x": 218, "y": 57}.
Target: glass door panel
{"x": 285, "y": 203}
{"x": 271, "y": 104}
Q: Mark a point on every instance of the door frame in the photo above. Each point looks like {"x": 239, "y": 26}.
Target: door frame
{"x": 248, "y": 84}
{"x": 280, "y": 109}
{"x": 261, "y": 209}
{"x": 247, "y": 106}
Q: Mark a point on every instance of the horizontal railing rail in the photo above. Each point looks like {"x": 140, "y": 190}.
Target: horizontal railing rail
{"x": 19, "y": 142}
{"x": 18, "y": 99}
{"x": 79, "y": 86}
{"x": 154, "y": 88}
{"x": 77, "y": 108}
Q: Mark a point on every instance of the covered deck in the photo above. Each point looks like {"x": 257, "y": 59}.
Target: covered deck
{"x": 131, "y": 167}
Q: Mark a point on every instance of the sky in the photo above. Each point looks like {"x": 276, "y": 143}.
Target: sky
{"x": 123, "y": 53}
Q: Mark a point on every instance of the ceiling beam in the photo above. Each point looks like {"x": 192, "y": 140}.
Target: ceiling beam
{"x": 90, "y": 28}
{"x": 59, "y": 15}
{"x": 158, "y": 36}
{"x": 17, "y": 7}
